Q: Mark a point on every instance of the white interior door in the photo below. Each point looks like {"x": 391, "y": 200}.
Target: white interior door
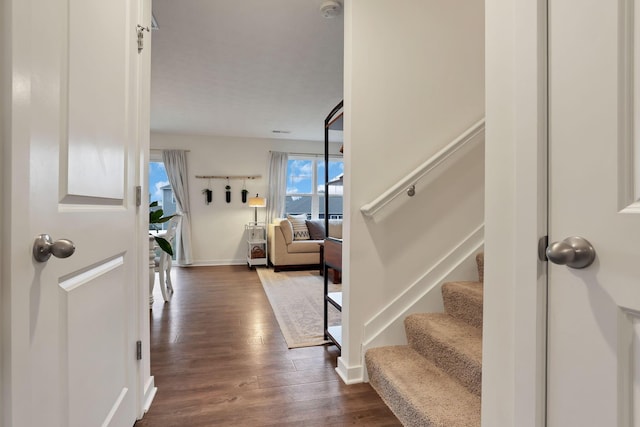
{"x": 594, "y": 313}
{"x": 73, "y": 321}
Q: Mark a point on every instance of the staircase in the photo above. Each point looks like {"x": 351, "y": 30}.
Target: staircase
{"x": 436, "y": 379}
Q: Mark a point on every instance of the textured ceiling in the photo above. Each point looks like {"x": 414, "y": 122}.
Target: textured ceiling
{"x": 245, "y": 68}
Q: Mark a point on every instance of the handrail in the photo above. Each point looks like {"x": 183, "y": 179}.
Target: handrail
{"x": 407, "y": 184}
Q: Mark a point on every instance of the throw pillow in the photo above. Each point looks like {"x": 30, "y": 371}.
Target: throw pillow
{"x": 316, "y": 229}
{"x": 300, "y": 230}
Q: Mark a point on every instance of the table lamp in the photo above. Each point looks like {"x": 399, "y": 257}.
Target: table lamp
{"x": 257, "y": 202}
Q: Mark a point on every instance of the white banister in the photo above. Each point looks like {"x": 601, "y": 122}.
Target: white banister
{"x": 407, "y": 184}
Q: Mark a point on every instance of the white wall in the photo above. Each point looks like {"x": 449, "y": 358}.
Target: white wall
{"x": 414, "y": 81}
{"x": 218, "y": 228}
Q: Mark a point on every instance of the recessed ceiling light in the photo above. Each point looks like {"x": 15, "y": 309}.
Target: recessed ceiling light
{"x": 280, "y": 131}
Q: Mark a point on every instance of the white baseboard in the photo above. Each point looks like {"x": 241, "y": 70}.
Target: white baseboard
{"x": 216, "y": 263}
{"x": 349, "y": 375}
{"x": 150, "y": 391}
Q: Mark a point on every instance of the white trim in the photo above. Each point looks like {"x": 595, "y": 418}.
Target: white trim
{"x": 72, "y": 281}
{"x": 215, "y": 263}
{"x": 514, "y": 324}
{"x": 114, "y": 409}
{"x": 428, "y": 284}
{"x": 350, "y": 375}
{"x": 5, "y": 179}
{"x": 150, "y": 391}
{"x": 455, "y": 149}
{"x": 633, "y": 208}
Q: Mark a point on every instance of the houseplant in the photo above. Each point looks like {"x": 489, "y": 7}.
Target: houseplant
{"x": 156, "y": 217}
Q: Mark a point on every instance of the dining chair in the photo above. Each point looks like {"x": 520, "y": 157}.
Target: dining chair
{"x": 163, "y": 261}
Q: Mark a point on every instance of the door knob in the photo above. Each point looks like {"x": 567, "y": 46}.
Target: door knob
{"x": 44, "y": 247}
{"x": 574, "y": 252}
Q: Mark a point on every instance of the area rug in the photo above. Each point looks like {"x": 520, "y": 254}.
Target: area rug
{"x": 297, "y": 301}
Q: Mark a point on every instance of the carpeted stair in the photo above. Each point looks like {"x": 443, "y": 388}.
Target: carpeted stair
{"x": 436, "y": 379}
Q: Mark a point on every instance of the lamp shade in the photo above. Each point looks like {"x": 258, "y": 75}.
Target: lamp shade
{"x": 257, "y": 202}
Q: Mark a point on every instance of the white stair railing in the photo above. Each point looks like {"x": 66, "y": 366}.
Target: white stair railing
{"x": 454, "y": 150}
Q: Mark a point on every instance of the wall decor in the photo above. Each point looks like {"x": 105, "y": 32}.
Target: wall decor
{"x": 244, "y": 191}
{"x": 227, "y": 188}
{"x": 208, "y": 195}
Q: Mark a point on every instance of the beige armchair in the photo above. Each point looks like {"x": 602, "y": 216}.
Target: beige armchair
{"x": 285, "y": 253}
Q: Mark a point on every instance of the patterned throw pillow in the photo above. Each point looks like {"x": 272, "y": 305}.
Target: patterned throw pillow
{"x": 300, "y": 230}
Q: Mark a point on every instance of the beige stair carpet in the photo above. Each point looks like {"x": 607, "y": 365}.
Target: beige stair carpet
{"x": 451, "y": 344}
{"x": 464, "y": 301}
{"x": 412, "y": 383}
{"x": 436, "y": 380}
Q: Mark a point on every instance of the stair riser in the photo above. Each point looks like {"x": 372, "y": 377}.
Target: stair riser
{"x": 465, "y": 370}
{"x": 462, "y": 306}
{"x": 398, "y": 404}
{"x": 480, "y": 264}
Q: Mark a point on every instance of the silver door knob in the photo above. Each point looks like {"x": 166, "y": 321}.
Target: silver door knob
{"x": 44, "y": 247}
{"x": 574, "y": 252}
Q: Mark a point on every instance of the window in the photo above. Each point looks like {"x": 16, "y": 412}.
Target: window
{"x": 305, "y": 187}
{"x": 159, "y": 188}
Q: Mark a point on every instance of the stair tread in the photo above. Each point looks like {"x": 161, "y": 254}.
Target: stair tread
{"x": 418, "y": 392}
{"x": 473, "y": 289}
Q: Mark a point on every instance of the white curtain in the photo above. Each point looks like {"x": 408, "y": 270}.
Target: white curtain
{"x": 277, "y": 185}
{"x": 175, "y": 162}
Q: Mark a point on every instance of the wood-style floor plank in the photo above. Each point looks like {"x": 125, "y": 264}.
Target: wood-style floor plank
{"x": 219, "y": 359}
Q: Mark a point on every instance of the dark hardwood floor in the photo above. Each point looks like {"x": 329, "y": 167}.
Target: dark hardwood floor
{"x": 219, "y": 359}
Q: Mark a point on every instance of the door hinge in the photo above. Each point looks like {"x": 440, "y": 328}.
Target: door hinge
{"x": 138, "y": 195}
{"x": 542, "y": 248}
{"x": 140, "y": 30}
{"x": 138, "y": 350}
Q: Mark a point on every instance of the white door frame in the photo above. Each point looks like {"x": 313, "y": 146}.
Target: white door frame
{"x": 514, "y": 334}
{"x": 4, "y": 142}
{"x": 146, "y": 382}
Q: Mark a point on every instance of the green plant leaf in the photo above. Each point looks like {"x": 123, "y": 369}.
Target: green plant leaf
{"x": 164, "y": 245}
{"x": 163, "y": 219}
{"x": 154, "y": 216}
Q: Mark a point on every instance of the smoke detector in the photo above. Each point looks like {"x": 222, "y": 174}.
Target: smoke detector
{"x": 331, "y": 8}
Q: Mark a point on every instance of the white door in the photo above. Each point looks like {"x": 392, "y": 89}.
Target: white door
{"x": 73, "y": 322}
{"x": 594, "y": 312}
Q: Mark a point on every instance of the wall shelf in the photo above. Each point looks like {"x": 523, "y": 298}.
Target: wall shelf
{"x": 228, "y": 176}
